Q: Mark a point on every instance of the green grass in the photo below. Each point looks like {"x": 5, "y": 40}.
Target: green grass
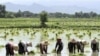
{"x": 18, "y": 22}
{"x": 68, "y": 23}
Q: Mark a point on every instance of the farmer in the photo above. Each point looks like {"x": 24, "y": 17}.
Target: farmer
{"x": 44, "y": 47}
{"x": 78, "y": 46}
{"x": 59, "y": 46}
{"x": 72, "y": 46}
{"x": 83, "y": 43}
{"x": 9, "y": 48}
{"x": 95, "y": 45}
{"x": 22, "y": 48}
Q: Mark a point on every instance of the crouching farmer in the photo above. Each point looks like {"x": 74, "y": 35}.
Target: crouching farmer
{"x": 59, "y": 46}
{"x": 44, "y": 47}
{"x": 22, "y": 47}
{"x": 9, "y": 48}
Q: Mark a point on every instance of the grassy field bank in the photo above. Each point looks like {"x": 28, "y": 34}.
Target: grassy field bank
{"x": 69, "y": 23}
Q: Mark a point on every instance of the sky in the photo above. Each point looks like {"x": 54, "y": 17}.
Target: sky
{"x": 90, "y": 4}
{"x": 54, "y": 2}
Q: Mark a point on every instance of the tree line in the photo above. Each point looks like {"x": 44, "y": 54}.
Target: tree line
{"x": 9, "y": 14}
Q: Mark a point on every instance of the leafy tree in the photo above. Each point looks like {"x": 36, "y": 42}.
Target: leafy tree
{"x": 2, "y": 11}
{"x": 79, "y": 14}
{"x": 10, "y": 14}
{"x": 86, "y": 15}
{"x": 27, "y": 14}
{"x": 93, "y": 14}
{"x": 43, "y": 18}
{"x": 58, "y": 15}
{"x": 99, "y": 15}
{"x": 19, "y": 14}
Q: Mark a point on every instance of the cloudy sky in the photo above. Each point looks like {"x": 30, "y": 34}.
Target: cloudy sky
{"x": 54, "y": 2}
{"x": 90, "y": 4}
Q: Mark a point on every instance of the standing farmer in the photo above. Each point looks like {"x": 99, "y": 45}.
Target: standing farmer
{"x": 95, "y": 45}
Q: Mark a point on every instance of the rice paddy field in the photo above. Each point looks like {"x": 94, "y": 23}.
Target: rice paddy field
{"x": 67, "y": 23}
{"x": 28, "y": 30}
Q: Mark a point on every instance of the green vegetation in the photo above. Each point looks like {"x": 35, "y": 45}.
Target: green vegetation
{"x": 18, "y": 22}
{"x": 2, "y": 46}
{"x": 67, "y": 23}
{"x": 43, "y": 18}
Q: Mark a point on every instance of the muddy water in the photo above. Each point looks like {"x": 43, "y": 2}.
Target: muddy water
{"x": 35, "y": 36}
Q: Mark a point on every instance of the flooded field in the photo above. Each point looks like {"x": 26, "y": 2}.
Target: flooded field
{"x": 37, "y": 35}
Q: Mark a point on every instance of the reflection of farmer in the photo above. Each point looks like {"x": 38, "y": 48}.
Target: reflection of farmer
{"x": 43, "y": 55}
{"x": 72, "y": 46}
{"x": 44, "y": 47}
{"x": 95, "y": 54}
{"x": 95, "y": 45}
{"x": 59, "y": 46}
{"x": 9, "y": 48}
{"x": 22, "y": 48}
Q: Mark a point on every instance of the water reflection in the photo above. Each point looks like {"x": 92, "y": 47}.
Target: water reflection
{"x": 95, "y": 54}
{"x": 43, "y": 54}
{"x": 70, "y": 54}
{"x": 58, "y": 54}
{"x": 50, "y": 55}
{"x": 78, "y": 54}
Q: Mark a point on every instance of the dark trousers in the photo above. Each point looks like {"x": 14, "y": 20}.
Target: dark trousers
{"x": 21, "y": 53}
{"x": 94, "y": 50}
{"x": 43, "y": 51}
{"x": 71, "y": 50}
{"x": 9, "y": 53}
{"x": 59, "y": 51}
{"x": 78, "y": 49}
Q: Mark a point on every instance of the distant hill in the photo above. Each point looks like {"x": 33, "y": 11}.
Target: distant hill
{"x": 36, "y": 8}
